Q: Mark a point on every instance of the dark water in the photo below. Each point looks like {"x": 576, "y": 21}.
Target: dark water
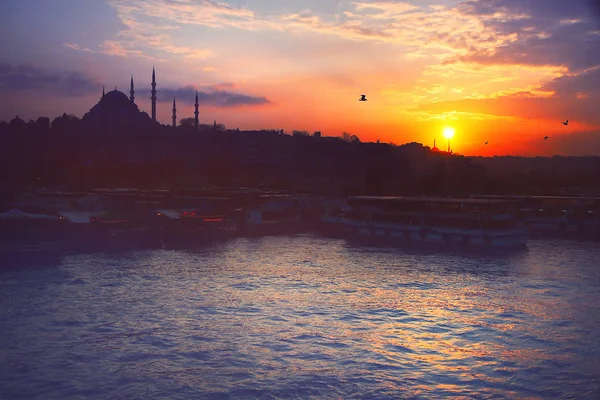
{"x": 304, "y": 317}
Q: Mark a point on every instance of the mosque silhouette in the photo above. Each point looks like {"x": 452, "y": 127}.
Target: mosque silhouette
{"x": 117, "y": 112}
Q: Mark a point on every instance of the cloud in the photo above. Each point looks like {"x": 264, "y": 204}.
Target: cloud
{"x": 73, "y": 46}
{"x": 116, "y": 48}
{"x": 524, "y": 105}
{"x": 140, "y": 36}
{"x": 150, "y": 26}
{"x": 197, "y": 12}
{"x": 541, "y": 62}
{"x": 386, "y": 9}
{"x": 571, "y": 85}
{"x": 482, "y": 31}
{"x": 144, "y": 39}
{"x": 62, "y": 83}
{"x": 548, "y": 9}
{"x": 572, "y": 96}
{"x": 223, "y": 86}
{"x": 216, "y": 96}
{"x": 574, "y": 46}
{"x": 436, "y": 31}
{"x": 381, "y": 21}
{"x": 550, "y": 32}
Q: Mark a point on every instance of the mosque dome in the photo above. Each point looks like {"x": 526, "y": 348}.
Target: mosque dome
{"x": 115, "y": 112}
{"x": 115, "y": 97}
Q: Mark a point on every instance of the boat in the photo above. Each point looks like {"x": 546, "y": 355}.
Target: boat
{"x": 451, "y": 221}
{"x": 257, "y": 222}
{"x": 26, "y": 237}
{"x": 189, "y": 226}
{"x": 565, "y": 216}
{"x": 122, "y": 228}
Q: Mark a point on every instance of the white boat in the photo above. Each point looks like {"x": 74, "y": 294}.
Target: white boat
{"x": 453, "y": 221}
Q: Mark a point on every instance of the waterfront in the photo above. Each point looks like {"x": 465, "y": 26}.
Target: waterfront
{"x": 304, "y": 317}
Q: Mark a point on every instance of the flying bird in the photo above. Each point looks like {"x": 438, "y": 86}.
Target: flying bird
{"x": 565, "y": 123}
{"x": 363, "y": 97}
{"x": 486, "y": 142}
{"x": 545, "y": 137}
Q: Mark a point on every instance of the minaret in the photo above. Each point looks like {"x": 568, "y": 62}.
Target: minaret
{"x": 174, "y": 114}
{"x": 102, "y": 106}
{"x": 434, "y": 143}
{"x": 132, "y": 92}
{"x": 196, "y": 122}
{"x": 153, "y": 95}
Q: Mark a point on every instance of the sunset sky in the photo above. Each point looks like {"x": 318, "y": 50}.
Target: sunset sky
{"x": 503, "y": 71}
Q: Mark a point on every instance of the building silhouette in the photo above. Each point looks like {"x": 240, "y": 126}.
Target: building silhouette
{"x": 115, "y": 112}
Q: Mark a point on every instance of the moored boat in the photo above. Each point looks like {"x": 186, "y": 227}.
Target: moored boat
{"x": 451, "y": 221}
{"x": 26, "y": 237}
{"x": 563, "y": 216}
{"x": 188, "y": 227}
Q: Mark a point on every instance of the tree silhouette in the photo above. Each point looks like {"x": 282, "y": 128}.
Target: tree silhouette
{"x": 65, "y": 123}
{"x": 187, "y": 122}
{"x": 42, "y": 124}
{"x": 350, "y": 138}
{"x": 17, "y": 124}
{"x": 218, "y": 127}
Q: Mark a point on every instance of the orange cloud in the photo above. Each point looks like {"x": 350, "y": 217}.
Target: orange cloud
{"x": 477, "y": 65}
{"x": 116, "y": 48}
{"x": 73, "y": 46}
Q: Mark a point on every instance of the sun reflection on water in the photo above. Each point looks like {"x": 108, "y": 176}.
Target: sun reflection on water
{"x": 307, "y": 317}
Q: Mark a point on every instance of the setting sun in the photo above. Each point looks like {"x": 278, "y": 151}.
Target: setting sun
{"x": 448, "y": 133}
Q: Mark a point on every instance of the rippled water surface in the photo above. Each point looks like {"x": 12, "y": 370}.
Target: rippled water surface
{"x": 304, "y": 317}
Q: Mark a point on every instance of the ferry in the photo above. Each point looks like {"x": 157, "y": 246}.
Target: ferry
{"x": 270, "y": 215}
{"x": 453, "y": 221}
{"x": 563, "y": 215}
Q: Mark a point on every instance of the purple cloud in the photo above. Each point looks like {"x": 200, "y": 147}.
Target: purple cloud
{"x": 550, "y": 32}
{"x": 584, "y": 83}
{"x": 547, "y": 9}
{"x": 27, "y": 77}
{"x": 217, "y": 97}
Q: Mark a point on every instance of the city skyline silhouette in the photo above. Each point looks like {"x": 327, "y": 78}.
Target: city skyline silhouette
{"x": 504, "y": 73}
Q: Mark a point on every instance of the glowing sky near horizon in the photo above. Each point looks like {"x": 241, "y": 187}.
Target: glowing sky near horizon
{"x": 503, "y": 71}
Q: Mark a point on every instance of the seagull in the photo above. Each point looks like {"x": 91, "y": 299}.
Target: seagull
{"x": 565, "y": 123}
{"x": 363, "y": 97}
{"x": 545, "y": 137}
